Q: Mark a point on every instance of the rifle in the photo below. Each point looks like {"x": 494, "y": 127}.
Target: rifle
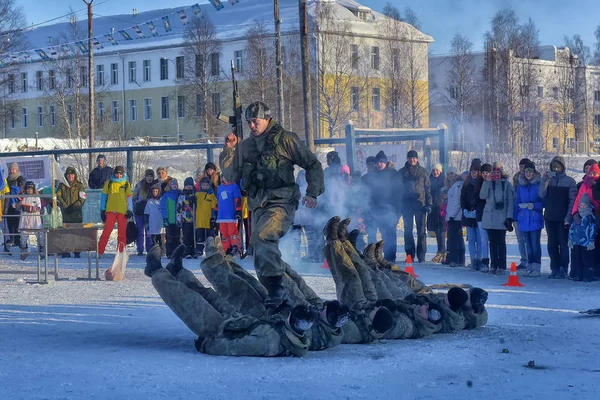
{"x": 236, "y": 121}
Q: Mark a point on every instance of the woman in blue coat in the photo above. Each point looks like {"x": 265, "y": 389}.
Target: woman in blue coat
{"x": 529, "y": 209}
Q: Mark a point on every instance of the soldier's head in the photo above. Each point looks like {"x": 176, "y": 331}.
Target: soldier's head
{"x": 457, "y": 298}
{"x": 382, "y": 319}
{"x": 258, "y": 116}
{"x": 70, "y": 174}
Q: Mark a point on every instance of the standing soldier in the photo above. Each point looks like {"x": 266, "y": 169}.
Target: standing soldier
{"x": 70, "y": 199}
{"x": 267, "y": 175}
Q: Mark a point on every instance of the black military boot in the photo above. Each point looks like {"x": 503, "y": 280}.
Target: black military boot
{"x": 353, "y": 237}
{"x": 369, "y": 255}
{"x": 343, "y": 229}
{"x": 301, "y": 319}
{"x": 153, "y": 263}
{"x": 478, "y": 299}
{"x": 176, "y": 263}
{"x": 276, "y": 292}
{"x": 383, "y": 263}
{"x": 331, "y": 229}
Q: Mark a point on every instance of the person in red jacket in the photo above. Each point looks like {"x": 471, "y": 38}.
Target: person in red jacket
{"x": 589, "y": 183}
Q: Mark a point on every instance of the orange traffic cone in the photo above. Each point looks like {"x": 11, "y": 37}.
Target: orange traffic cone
{"x": 513, "y": 278}
{"x": 409, "y": 268}
{"x": 325, "y": 265}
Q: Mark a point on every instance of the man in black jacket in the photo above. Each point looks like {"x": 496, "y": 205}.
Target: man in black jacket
{"x": 416, "y": 204}
{"x": 100, "y": 174}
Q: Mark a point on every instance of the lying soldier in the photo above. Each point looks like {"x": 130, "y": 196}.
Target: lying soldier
{"x": 221, "y": 329}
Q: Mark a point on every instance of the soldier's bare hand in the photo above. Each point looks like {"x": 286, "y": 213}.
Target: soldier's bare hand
{"x": 231, "y": 140}
{"x": 309, "y": 202}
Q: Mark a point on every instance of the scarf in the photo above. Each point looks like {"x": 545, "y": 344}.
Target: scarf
{"x": 13, "y": 176}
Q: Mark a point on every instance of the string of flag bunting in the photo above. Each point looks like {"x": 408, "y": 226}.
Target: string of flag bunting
{"x": 152, "y": 28}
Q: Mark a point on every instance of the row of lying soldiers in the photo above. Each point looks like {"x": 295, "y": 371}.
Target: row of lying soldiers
{"x": 375, "y": 300}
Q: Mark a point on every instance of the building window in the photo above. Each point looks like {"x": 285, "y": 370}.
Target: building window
{"x": 70, "y": 114}
{"x": 375, "y": 58}
{"x": 132, "y": 72}
{"x": 596, "y": 95}
{"x": 164, "y": 107}
{"x": 51, "y": 79}
{"x": 554, "y": 143}
{"x": 23, "y": 118}
{"x": 147, "y": 72}
{"x": 555, "y": 92}
{"x": 115, "y": 111}
{"x": 214, "y": 64}
{"x": 597, "y": 119}
{"x": 101, "y": 111}
{"x": 525, "y": 90}
{"x": 69, "y": 74}
{"x": 238, "y": 56}
{"x": 83, "y": 80}
{"x": 40, "y": 117}
{"x": 181, "y": 106}
{"x": 216, "y": 103}
{"x": 164, "y": 69}
{"x": 148, "y": 109}
{"x": 376, "y": 99}
{"x": 99, "y": 75}
{"x": 11, "y": 119}
{"x": 24, "y": 85}
{"x": 179, "y": 67}
{"x": 354, "y": 56}
{"x": 199, "y": 66}
{"x": 52, "y": 115}
{"x": 11, "y": 83}
{"x": 39, "y": 80}
{"x": 554, "y": 117}
{"x": 540, "y": 92}
{"x": 355, "y": 99}
{"x": 114, "y": 74}
{"x": 133, "y": 110}
{"x": 199, "y": 105}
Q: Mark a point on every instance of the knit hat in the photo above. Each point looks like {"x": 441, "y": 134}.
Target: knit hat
{"x": 149, "y": 172}
{"x": 210, "y": 165}
{"x": 586, "y": 199}
{"x": 529, "y": 165}
{"x": 475, "y": 165}
{"x": 371, "y": 159}
{"x": 100, "y": 156}
{"x": 29, "y": 184}
{"x": 438, "y": 166}
{"x": 119, "y": 170}
{"x": 524, "y": 161}
{"x": 486, "y": 168}
{"x": 498, "y": 166}
{"x": 452, "y": 170}
{"x": 189, "y": 181}
{"x": 205, "y": 179}
{"x": 381, "y": 157}
{"x": 156, "y": 186}
{"x": 345, "y": 170}
{"x": 383, "y": 320}
{"x": 457, "y": 298}
{"x": 71, "y": 170}
{"x": 412, "y": 153}
{"x": 173, "y": 183}
{"x": 594, "y": 168}
{"x": 258, "y": 109}
{"x": 589, "y": 163}
{"x": 14, "y": 166}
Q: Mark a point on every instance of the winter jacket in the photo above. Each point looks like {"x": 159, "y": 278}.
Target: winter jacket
{"x": 4, "y": 189}
{"x": 584, "y": 233}
{"x": 116, "y": 196}
{"x": 215, "y": 179}
{"x": 141, "y": 193}
{"x": 206, "y": 202}
{"x": 453, "y": 208}
{"x": 559, "y": 193}
{"x": 15, "y": 185}
{"x": 168, "y": 206}
{"x": 415, "y": 181}
{"x": 383, "y": 188}
{"x": 99, "y": 176}
{"x": 70, "y": 200}
{"x": 229, "y": 200}
{"x": 587, "y": 187}
{"x": 153, "y": 217}
{"x": 185, "y": 208}
{"x": 596, "y": 194}
{"x": 528, "y": 192}
{"x": 499, "y": 192}
{"x": 31, "y": 219}
{"x": 435, "y": 222}
{"x": 470, "y": 201}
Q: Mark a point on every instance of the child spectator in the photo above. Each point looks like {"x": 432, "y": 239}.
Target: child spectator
{"x": 168, "y": 209}
{"x": 206, "y": 203}
{"x": 456, "y": 244}
{"x": 229, "y": 212}
{"x": 30, "y": 219}
{"x": 185, "y": 216}
{"x": 115, "y": 206}
{"x": 582, "y": 237}
{"x": 153, "y": 216}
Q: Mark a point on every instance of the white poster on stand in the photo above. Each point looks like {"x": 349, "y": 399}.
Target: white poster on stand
{"x": 35, "y": 168}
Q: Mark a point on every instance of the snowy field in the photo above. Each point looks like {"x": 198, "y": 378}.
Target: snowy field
{"x": 117, "y": 340}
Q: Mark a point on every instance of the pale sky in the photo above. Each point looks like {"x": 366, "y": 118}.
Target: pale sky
{"x": 441, "y": 19}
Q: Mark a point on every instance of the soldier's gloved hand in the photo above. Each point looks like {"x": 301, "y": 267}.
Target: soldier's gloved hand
{"x": 577, "y": 218}
{"x": 103, "y": 216}
{"x": 165, "y": 222}
{"x": 427, "y": 209}
{"x": 238, "y": 215}
{"x": 129, "y": 214}
{"x": 591, "y": 246}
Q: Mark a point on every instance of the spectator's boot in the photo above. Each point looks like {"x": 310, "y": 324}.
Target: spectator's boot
{"x": 535, "y": 271}
{"x": 176, "y": 263}
{"x": 331, "y": 229}
{"x": 553, "y": 274}
{"x": 343, "y": 229}
{"x": 153, "y": 263}
{"x": 381, "y": 261}
{"x": 353, "y": 237}
{"x": 485, "y": 265}
{"x": 561, "y": 274}
{"x": 437, "y": 258}
{"x": 369, "y": 256}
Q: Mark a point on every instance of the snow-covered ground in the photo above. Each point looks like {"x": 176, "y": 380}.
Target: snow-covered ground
{"x": 117, "y": 340}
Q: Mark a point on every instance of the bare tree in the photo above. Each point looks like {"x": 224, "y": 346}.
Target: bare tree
{"x": 413, "y": 70}
{"x": 410, "y": 17}
{"x": 563, "y": 104}
{"x": 260, "y": 72}
{"x": 390, "y": 11}
{"x": 597, "y": 46}
{"x": 201, "y": 71}
{"x": 292, "y": 84}
{"x": 393, "y": 29}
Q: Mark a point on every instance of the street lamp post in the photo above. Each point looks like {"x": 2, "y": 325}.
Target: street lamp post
{"x": 176, "y": 97}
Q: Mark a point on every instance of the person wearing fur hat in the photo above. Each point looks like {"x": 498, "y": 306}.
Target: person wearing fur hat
{"x": 435, "y": 222}
{"x": 116, "y": 206}
{"x": 583, "y": 235}
{"x": 153, "y": 219}
{"x": 100, "y": 174}
{"x": 499, "y": 195}
{"x": 529, "y": 215}
{"x": 168, "y": 208}
{"x": 141, "y": 194}
{"x": 472, "y": 207}
{"x": 586, "y": 167}
{"x": 186, "y": 203}
{"x": 416, "y": 204}
{"x": 456, "y": 244}
{"x": 520, "y": 238}
{"x": 71, "y": 198}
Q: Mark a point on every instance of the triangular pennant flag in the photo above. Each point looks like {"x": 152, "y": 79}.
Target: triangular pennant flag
{"x": 126, "y": 35}
{"x": 66, "y": 49}
{"x": 183, "y": 17}
{"x": 111, "y": 39}
{"x": 138, "y": 31}
{"x": 233, "y": 2}
{"x": 152, "y": 28}
{"x": 25, "y": 55}
{"x": 53, "y": 51}
{"x": 42, "y": 54}
{"x": 82, "y": 47}
{"x": 167, "y": 23}
{"x": 217, "y": 4}
{"x": 96, "y": 43}
{"x": 196, "y": 9}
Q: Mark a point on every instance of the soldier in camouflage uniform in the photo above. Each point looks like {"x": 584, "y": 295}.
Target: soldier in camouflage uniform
{"x": 267, "y": 175}
{"x": 221, "y": 329}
